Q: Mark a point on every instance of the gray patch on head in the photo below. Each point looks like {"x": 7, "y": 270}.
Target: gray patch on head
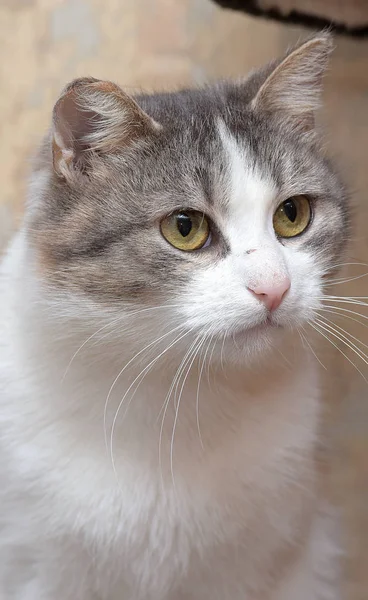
{"x": 100, "y": 235}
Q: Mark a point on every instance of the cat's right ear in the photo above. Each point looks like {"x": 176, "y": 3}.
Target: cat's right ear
{"x": 293, "y": 88}
{"x": 91, "y": 117}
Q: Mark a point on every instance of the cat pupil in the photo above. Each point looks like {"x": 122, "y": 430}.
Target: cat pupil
{"x": 184, "y": 224}
{"x": 290, "y": 210}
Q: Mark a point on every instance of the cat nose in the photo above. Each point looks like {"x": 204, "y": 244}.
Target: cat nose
{"x": 271, "y": 294}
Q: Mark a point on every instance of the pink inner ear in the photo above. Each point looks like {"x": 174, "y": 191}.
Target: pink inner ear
{"x": 73, "y": 123}
{"x": 293, "y": 89}
{"x": 97, "y": 116}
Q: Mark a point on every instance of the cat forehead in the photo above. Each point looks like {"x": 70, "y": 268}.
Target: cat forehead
{"x": 209, "y": 140}
{"x": 249, "y": 187}
{"x": 219, "y": 173}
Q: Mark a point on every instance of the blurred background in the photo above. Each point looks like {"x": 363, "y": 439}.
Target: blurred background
{"x": 164, "y": 44}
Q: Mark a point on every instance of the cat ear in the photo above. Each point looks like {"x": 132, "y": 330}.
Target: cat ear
{"x": 294, "y": 87}
{"x": 94, "y": 116}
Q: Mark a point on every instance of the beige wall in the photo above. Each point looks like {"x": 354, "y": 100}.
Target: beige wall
{"x": 161, "y": 44}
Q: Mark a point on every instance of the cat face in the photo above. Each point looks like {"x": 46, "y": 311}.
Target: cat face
{"x": 215, "y": 204}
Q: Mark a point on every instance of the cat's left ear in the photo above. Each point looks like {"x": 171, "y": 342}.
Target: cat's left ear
{"x": 293, "y": 89}
{"x": 94, "y": 117}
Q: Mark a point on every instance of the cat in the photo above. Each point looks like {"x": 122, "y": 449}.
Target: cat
{"x": 160, "y": 418}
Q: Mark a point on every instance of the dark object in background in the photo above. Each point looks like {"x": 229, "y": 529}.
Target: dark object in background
{"x": 342, "y": 16}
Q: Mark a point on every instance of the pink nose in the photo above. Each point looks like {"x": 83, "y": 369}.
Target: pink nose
{"x": 271, "y": 294}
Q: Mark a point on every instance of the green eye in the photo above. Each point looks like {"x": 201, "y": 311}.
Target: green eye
{"x": 186, "y": 230}
{"x": 292, "y": 217}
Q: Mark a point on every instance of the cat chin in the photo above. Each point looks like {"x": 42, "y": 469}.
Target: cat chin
{"x": 250, "y": 346}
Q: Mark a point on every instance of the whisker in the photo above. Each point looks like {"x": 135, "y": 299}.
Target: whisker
{"x": 284, "y": 358}
{"x": 172, "y": 385}
{"x": 210, "y": 360}
{"x": 358, "y": 298}
{"x": 150, "y": 345}
{"x": 120, "y": 318}
{"x": 166, "y": 404}
{"x": 144, "y": 372}
{"x": 343, "y": 316}
{"x": 149, "y": 367}
{"x": 343, "y": 339}
{"x": 324, "y": 319}
{"x": 198, "y": 388}
{"x": 316, "y": 328}
{"x": 349, "y": 264}
{"x": 342, "y": 280}
{"x": 85, "y": 343}
{"x": 304, "y": 337}
{"x": 222, "y": 351}
{"x": 193, "y": 355}
{"x": 345, "y": 310}
{"x": 341, "y": 300}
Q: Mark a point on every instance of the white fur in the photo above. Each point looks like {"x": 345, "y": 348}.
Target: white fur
{"x": 181, "y": 516}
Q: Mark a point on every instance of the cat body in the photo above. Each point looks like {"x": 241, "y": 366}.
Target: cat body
{"x": 159, "y": 432}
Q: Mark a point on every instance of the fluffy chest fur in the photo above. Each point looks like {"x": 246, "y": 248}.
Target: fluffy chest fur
{"x": 176, "y": 508}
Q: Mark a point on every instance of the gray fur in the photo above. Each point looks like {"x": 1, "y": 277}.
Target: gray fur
{"x": 98, "y": 232}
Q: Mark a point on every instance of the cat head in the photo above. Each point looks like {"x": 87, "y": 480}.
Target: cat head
{"x": 213, "y": 207}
